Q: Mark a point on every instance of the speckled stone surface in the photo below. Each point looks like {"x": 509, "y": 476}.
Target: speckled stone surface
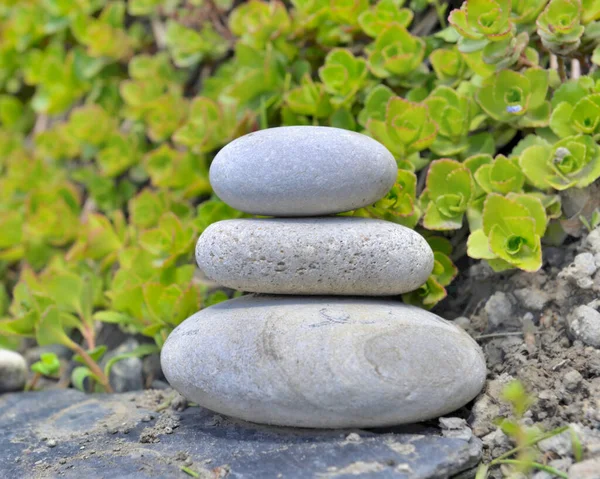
{"x": 323, "y": 362}
{"x": 106, "y": 436}
{"x": 302, "y": 171}
{"x": 339, "y": 256}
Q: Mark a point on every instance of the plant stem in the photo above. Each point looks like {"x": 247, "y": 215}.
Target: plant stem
{"x": 90, "y": 337}
{"x": 96, "y": 370}
{"x": 189, "y": 472}
{"x": 34, "y": 380}
{"x": 532, "y": 442}
{"x": 562, "y": 71}
{"x": 535, "y": 465}
{"x": 441, "y": 12}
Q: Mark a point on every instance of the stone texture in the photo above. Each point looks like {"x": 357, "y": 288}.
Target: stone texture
{"x": 13, "y": 371}
{"x": 323, "y": 361}
{"x": 302, "y": 171}
{"x": 126, "y": 374}
{"x": 105, "y": 435}
{"x": 584, "y": 324}
{"x": 338, "y": 256}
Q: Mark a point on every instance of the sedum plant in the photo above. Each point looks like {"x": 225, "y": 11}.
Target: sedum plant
{"x": 111, "y": 113}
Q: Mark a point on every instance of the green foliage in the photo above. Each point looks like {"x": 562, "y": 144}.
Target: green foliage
{"x": 403, "y": 126}
{"x": 525, "y": 457}
{"x": 447, "y": 195}
{"x": 559, "y": 26}
{"x": 111, "y": 112}
{"x": 513, "y": 226}
{"x": 48, "y": 365}
{"x": 515, "y": 98}
{"x": 395, "y": 52}
{"x": 573, "y": 161}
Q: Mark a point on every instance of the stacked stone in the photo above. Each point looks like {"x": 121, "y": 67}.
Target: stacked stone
{"x": 316, "y": 347}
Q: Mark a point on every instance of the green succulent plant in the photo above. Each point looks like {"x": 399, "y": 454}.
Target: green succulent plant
{"x": 511, "y": 234}
{"x": 444, "y": 271}
{"x": 502, "y": 176}
{"x": 559, "y": 26}
{"x": 482, "y": 21}
{"x": 447, "y": 195}
{"x": 384, "y": 14}
{"x": 571, "y": 162}
{"x": 449, "y": 65}
{"x": 453, "y": 113}
{"x": 576, "y": 109}
{"x": 526, "y": 12}
{"x": 343, "y": 76}
{"x": 400, "y": 205}
{"x": 515, "y": 98}
{"x": 395, "y": 52}
{"x": 405, "y": 127}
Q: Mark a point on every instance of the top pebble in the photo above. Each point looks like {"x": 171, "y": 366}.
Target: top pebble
{"x": 302, "y": 171}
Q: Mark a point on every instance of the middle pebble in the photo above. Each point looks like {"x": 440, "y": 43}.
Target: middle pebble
{"x": 325, "y": 256}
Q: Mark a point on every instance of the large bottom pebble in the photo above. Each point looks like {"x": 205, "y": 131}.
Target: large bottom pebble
{"x": 325, "y": 362}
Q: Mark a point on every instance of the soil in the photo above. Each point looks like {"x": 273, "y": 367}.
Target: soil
{"x": 522, "y": 321}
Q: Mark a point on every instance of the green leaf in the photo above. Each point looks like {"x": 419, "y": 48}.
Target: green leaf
{"x": 96, "y": 354}
{"x": 79, "y": 375}
{"x": 139, "y": 352}
{"x": 478, "y": 246}
{"x": 50, "y": 329}
{"x": 449, "y": 189}
{"x": 343, "y": 75}
{"x": 112, "y": 317}
{"x": 48, "y": 365}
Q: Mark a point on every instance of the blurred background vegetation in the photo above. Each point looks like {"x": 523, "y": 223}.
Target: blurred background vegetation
{"x": 111, "y": 111}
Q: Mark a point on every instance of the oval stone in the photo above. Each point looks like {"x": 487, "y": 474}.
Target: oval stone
{"x": 302, "y": 171}
{"x": 335, "y": 255}
{"x": 323, "y": 362}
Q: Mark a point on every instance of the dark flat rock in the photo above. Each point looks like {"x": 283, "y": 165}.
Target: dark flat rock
{"x": 65, "y": 433}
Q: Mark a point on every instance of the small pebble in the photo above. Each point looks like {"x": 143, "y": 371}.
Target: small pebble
{"x": 572, "y": 380}
{"x": 147, "y": 418}
{"x": 51, "y": 443}
{"x": 13, "y": 371}
{"x": 62, "y": 460}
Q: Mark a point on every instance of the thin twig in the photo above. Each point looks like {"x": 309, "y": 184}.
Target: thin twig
{"x": 499, "y": 335}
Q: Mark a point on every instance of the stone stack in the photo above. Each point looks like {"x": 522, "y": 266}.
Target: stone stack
{"x": 316, "y": 347}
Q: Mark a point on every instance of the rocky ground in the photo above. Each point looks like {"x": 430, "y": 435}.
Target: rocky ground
{"x": 151, "y": 434}
{"x": 542, "y": 328}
